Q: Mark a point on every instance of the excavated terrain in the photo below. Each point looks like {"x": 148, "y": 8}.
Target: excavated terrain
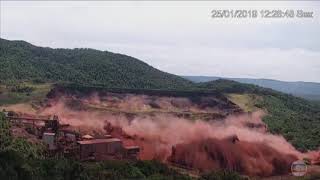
{"x": 201, "y": 132}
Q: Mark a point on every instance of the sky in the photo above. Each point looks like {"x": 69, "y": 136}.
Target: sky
{"x": 178, "y": 37}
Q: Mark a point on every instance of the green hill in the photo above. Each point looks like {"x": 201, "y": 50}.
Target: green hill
{"x": 297, "y": 119}
{"x": 22, "y": 61}
{"x": 307, "y": 90}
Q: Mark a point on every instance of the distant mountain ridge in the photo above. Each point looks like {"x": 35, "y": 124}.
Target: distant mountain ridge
{"x": 307, "y": 90}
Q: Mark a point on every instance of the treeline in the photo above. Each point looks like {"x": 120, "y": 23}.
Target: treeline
{"x": 72, "y": 88}
{"x": 21, "y": 61}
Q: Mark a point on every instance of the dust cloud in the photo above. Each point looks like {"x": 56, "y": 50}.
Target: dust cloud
{"x": 239, "y": 142}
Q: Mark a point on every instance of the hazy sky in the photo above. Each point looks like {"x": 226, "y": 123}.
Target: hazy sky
{"x": 177, "y": 37}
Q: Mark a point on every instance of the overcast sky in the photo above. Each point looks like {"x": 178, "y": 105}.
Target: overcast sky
{"x": 177, "y": 37}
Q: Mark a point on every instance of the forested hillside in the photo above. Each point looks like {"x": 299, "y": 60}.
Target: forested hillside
{"x": 22, "y": 61}
{"x": 307, "y": 90}
{"x": 298, "y": 120}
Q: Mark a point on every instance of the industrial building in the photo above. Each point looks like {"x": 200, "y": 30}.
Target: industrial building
{"x": 62, "y": 139}
{"x": 100, "y": 149}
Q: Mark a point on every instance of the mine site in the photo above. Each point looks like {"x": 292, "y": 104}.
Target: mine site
{"x": 194, "y": 134}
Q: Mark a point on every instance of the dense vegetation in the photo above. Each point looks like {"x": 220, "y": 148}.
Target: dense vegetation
{"x": 222, "y": 175}
{"x": 21, "y": 61}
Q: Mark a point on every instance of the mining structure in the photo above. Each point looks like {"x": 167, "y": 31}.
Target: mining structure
{"x": 61, "y": 139}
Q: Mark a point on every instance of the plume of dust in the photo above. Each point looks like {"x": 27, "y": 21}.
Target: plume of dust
{"x": 255, "y": 159}
{"x": 172, "y": 130}
{"x": 167, "y": 137}
{"x": 85, "y": 121}
{"x": 166, "y": 131}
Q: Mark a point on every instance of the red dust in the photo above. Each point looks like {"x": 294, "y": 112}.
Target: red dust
{"x": 248, "y": 158}
{"x": 239, "y": 142}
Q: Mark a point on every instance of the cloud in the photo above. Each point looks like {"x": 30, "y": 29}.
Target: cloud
{"x": 178, "y": 37}
{"x": 273, "y": 63}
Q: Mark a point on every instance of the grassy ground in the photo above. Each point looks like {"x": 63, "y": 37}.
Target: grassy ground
{"x": 293, "y": 118}
{"x": 246, "y": 102}
{"x": 23, "y": 92}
